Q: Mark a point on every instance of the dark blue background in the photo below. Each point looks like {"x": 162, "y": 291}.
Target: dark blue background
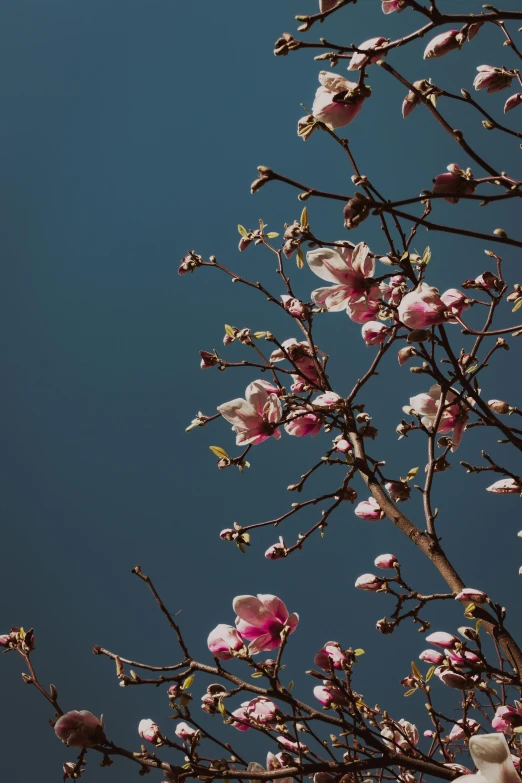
{"x": 130, "y": 133}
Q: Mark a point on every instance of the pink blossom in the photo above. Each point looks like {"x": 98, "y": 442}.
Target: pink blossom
{"x": 394, "y": 289}
{"x": 443, "y": 43}
{"x": 466, "y": 658}
{"x": 453, "y": 679}
{"x": 223, "y": 640}
{"x": 399, "y": 491}
{"x": 330, "y": 655}
{"x": 458, "y": 733}
{"x": 454, "y": 416}
{"x": 454, "y": 184}
{"x": 359, "y": 59}
{"x": 404, "y": 736}
{"x": 337, "y": 101}
{"x": 455, "y": 301}
{"x": 386, "y": 562}
{"x": 276, "y": 551}
{"x": 302, "y": 422}
{"x": 422, "y": 307}
{"x": 278, "y": 761}
{"x": 351, "y": 269}
{"x": 327, "y": 400}
{"x": 389, "y": 6}
{"x": 149, "y": 731}
{"x": 488, "y": 281}
{"x": 442, "y": 639}
{"x": 228, "y": 534}
{"x": 261, "y": 620}
{"x": 368, "y": 582}
{"x": 293, "y": 747}
{"x": 492, "y": 79}
{"x": 469, "y": 594}
{"x": 506, "y": 718}
{"x": 184, "y": 731}
{"x": 300, "y": 355}
{"x": 255, "y": 418}
{"x": 79, "y": 729}
{"x": 431, "y": 656}
{"x": 241, "y": 722}
{"x": 262, "y": 711}
{"x": 343, "y": 445}
{"x": 369, "y": 510}
{"x": 329, "y": 694}
{"x": 374, "y": 332}
{"x": 294, "y": 306}
{"x": 507, "y": 486}
{"x": 492, "y": 756}
{"x": 512, "y": 102}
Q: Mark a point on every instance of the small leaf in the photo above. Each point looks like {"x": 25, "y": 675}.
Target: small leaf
{"x": 299, "y": 260}
{"x": 290, "y": 685}
{"x": 259, "y": 335}
{"x": 257, "y": 674}
{"x": 409, "y": 693}
{"x": 272, "y": 235}
{"x": 426, "y": 256}
{"x": 230, "y": 330}
{"x": 242, "y": 230}
{"x": 304, "y": 218}
{"x": 245, "y": 537}
{"x": 477, "y": 626}
{"x": 518, "y": 304}
{"x": 188, "y": 682}
{"x": 431, "y": 672}
{"x": 411, "y": 474}
{"x": 358, "y": 651}
{"x": 262, "y": 225}
{"x": 218, "y": 452}
{"x": 415, "y": 670}
{"x": 222, "y": 708}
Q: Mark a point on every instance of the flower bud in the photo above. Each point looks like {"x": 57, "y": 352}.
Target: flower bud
{"x": 276, "y": 552}
{"x": 189, "y": 263}
{"x": 386, "y": 562}
{"x": 360, "y": 59}
{"x": 492, "y": 79}
{"x": 369, "y": 582}
{"x": 399, "y": 491}
{"x": 454, "y": 184}
{"x": 499, "y": 406}
{"x": 405, "y": 354}
{"x": 385, "y": 627}
{"x": 512, "y": 102}
{"x": 442, "y": 639}
{"x": 369, "y": 510}
{"x": 507, "y": 486}
{"x": 149, "y": 731}
{"x": 458, "y": 731}
{"x": 228, "y": 534}
{"x": 223, "y": 641}
{"x": 330, "y": 655}
{"x": 431, "y": 656}
{"x": 208, "y": 360}
{"x": 443, "y": 43}
{"x": 79, "y": 729}
{"x": 294, "y": 306}
{"x": 356, "y": 211}
{"x": 347, "y": 493}
{"x": 453, "y": 679}
{"x": 488, "y": 281}
{"x": 468, "y": 594}
{"x": 184, "y": 731}
{"x": 329, "y": 694}
{"x": 374, "y": 332}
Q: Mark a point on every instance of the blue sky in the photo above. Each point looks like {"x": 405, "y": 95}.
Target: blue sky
{"x": 130, "y": 134}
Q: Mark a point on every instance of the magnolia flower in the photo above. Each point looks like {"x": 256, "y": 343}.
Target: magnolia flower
{"x": 399, "y": 491}
{"x": 454, "y": 679}
{"x": 374, "y": 332}
{"x": 337, "y": 102}
{"x": 512, "y": 102}
{"x": 302, "y": 422}
{"x": 294, "y": 747}
{"x": 442, "y": 639}
{"x": 507, "y": 718}
{"x": 329, "y": 694}
{"x": 492, "y": 757}
{"x": 262, "y": 711}
{"x": 255, "y": 418}
{"x": 327, "y": 400}
{"x": 369, "y": 510}
{"x": 454, "y": 184}
{"x": 223, "y": 640}
{"x": 240, "y": 719}
{"x": 79, "y": 729}
{"x": 455, "y": 301}
{"x": 300, "y": 354}
{"x": 294, "y": 306}
{"x": 453, "y": 418}
{"x": 261, "y": 620}
{"x": 443, "y": 43}
{"x": 389, "y": 6}
{"x": 507, "y": 486}
{"x": 492, "y": 79}
{"x": 421, "y": 308}
{"x": 330, "y": 655}
{"x": 369, "y": 582}
{"x": 431, "y": 656}
{"x": 470, "y": 594}
{"x": 458, "y": 732}
{"x": 351, "y": 269}
{"x": 149, "y": 731}
{"x": 277, "y": 761}
{"x": 184, "y": 731}
{"x": 404, "y": 736}
{"x": 359, "y": 59}
{"x": 386, "y": 562}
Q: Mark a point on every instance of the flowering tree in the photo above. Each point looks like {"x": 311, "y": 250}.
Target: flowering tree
{"x": 333, "y": 733}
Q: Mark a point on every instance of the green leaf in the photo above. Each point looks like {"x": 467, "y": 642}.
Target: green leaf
{"x": 290, "y": 685}
{"x": 218, "y": 452}
{"x": 272, "y": 235}
{"x": 230, "y": 330}
{"x": 259, "y": 335}
{"x": 299, "y": 260}
{"x": 222, "y": 709}
{"x": 518, "y": 304}
{"x": 242, "y": 230}
{"x": 411, "y": 474}
{"x": 415, "y": 671}
{"x": 426, "y": 256}
{"x": 409, "y": 693}
{"x": 257, "y": 674}
{"x": 304, "y": 218}
{"x": 431, "y": 672}
{"x": 188, "y": 682}
{"x": 358, "y": 651}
